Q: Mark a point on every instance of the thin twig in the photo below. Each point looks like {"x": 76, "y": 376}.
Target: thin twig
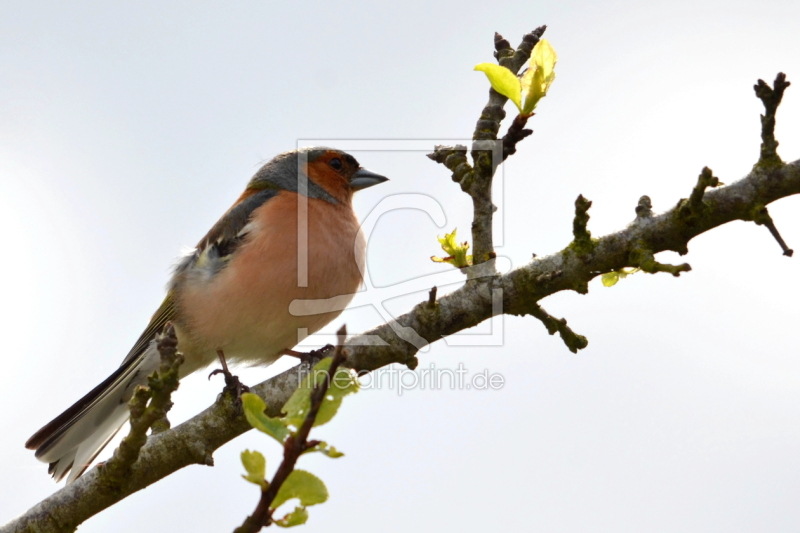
{"x": 771, "y": 98}
{"x": 572, "y": 340}
{"x": 294, "y": 446}
{"x": 582, "y": 237}
{"x": 762, "y": 217}
{"x": 516, "y": 133}
{"x": 432, "y": 298}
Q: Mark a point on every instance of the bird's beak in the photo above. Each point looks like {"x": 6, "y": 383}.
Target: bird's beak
{"x": 363, "y": 178}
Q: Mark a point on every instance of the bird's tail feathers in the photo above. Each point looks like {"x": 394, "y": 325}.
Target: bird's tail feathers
{"x": 72, "y": 440}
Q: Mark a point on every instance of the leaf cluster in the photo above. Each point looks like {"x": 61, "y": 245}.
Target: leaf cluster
{"x": 530, "y": 87}
{"x": 297, "y": 411}
{"x": 456, "y": 253}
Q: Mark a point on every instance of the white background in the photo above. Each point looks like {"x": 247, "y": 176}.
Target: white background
{"x": 126, "y": 130}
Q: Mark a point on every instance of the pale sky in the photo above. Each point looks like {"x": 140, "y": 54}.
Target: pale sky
{"x": 126, "y": 130}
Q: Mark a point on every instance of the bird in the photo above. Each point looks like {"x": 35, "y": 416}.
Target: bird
{"x": 292, "y": 235}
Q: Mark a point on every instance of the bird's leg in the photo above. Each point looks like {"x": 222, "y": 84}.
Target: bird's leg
{"x": 310, "y": 357}
{"x": 232, "y": 383}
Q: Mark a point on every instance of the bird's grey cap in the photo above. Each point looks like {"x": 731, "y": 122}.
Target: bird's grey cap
{"x": 283, "y": 172}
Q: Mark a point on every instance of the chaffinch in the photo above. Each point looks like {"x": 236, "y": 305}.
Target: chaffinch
{"x": 231, "y": 294}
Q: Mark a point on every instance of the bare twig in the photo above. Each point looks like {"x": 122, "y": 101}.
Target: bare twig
{"x": 432, "y": 298}
{"x": 644, "y": 259}
{"x": 582, "y": 236}
{"x": 454, "y": 158}
{"x": 644, "y": 209}
{"x": 705, "y": 180}
{"x": 572, "y": 340}
{"x": 516, "y": 132}
{"x": 762, "y": 218}
{"x": 771, "y": 98}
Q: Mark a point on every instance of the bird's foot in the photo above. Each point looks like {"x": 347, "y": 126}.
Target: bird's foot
{"x": 233, "y": 385}
{"x": 312, "y": 357}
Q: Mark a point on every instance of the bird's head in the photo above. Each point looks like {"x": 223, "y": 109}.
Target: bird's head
{"x": 325, "y": 173}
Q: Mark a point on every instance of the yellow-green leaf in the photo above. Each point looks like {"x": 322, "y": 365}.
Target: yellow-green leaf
{"x": 456, "y": 253}
{"x": 503, "y": 81}
{"x": 254, "y": 411}
{"x": 256, "y": 467}
{"x": 610, "y": 279}
{"x": 323, "y": 447}
{"x": 343, "y": 383}
{"x": 305, "y": 486}
{"x": 297, "y": 517}
{"x": 540, "y": 75}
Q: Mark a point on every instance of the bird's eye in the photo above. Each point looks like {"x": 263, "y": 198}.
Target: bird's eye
{"x": 335, "y": 164}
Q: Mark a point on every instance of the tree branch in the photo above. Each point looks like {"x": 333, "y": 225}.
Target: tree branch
{"x": 194, "y": 441}
{"x": 487, "y": 153}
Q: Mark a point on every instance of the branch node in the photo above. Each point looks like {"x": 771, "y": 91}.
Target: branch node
{"x": 432, "y": 298}
{"x": 516, "y": 132}
{"x": 644, "y": 259}
{"x": 572, "y": 340}
{"x": 771, "y": 98}
{"x": 488, "y": 123}
{"x": 761, "y": 216}
{"x": 644, "y": 209}
{"x": 582, "y": 236}
{"x": 691, "y": 209}
{"x": 523, "y": 52}
{"x": 502, "y": 47}
{"x": 455, "y": 159}
{"x": 704, "y": 180}
{"x": 208, "y": 459}
{"x": 581, "y": 287}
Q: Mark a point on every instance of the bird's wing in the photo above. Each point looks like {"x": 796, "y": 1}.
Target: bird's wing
{"x": 212, "y": 252}
{"x": 227, "y": 233}
{"x": 164, "y": 314}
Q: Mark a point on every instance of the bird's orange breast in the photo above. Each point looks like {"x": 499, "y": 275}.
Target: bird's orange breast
{"x": 244, "y": 309}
